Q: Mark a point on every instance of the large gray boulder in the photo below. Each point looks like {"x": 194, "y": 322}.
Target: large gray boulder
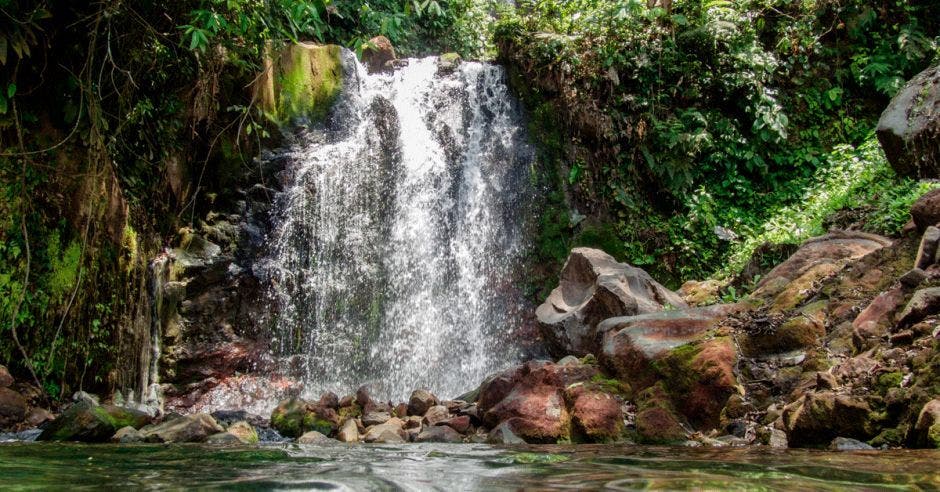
{"x": 188, "y": 428}
{"x": 87, "y": 422}
{"x": 909, "y": 129}
{"x": 594, "y": 287}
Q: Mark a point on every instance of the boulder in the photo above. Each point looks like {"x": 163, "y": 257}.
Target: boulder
{"x": 927, "y": 252}
{"x": 460, "y": 424}
{"x": 329, "y": 400}
{"x": 926, "y": 210}
{"x": 701, "y": 293}
{"x": 349, "y": 432}
{"x": 12, "y": 407}
{"x": 389, "y": 437}
{"x": 909, "y": 127}
{"x": 419, "y": 403}
{"x": 439, "y": 433}
{"x": 375, "y": 418}
{"x": 363, "y": 398}
{"x": 503, "y": 434}
{"x": 37, "y": 416}
{"x": 227, "y": 418}
{"x": 595, "y": 414}
{"x": 378, "y": 54}
{"x": 187, "y": 428}
{"x": 594, "y": 287}
{"x": 790, "y": 283}
{"x": 532, "y": 397}
{"x": 288, "y": 417}
{"x": 926, "y": 431}
{"x": 672, "y": 347}
{"x": 435, "y": 414}
{"x": 393, "y": 425}
{"x": 313, "y": 437}
{"x": 92, "y": 423}
{"x": 923, "y": 303}
{"x": 300, "y": 80}
{"x": 818, "y": 418}
{"x": 448, "y": 63}
{"x": 127, "y": 435}
{"x": 657, "y": 421}
{"x": 6, "y": 380}
{"x": 876, "y": 320}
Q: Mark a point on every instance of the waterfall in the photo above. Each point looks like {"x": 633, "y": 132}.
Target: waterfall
{"x": 398, "y": 240}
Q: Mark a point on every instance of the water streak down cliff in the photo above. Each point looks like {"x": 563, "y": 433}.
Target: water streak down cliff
{"x": 397, "y": 241}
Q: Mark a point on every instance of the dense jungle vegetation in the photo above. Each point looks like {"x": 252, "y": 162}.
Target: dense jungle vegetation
{"x": 679, "y": 136}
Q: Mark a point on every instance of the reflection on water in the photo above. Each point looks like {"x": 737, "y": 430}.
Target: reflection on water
{"x": 459, "y": 467}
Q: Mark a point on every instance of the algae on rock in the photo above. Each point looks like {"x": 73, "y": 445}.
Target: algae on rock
{"x": 300, "y": 81}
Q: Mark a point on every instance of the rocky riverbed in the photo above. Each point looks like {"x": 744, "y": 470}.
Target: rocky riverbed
{"x": 836, "y": 347}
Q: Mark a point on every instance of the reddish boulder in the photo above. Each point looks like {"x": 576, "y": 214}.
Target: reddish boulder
{"x": 926, "y": 210}
{"x": 595, "y": 414}
{"x": 656, "y": 420}
{"x": 460, "y": 424}
{"x": 12, "y": 407}
{"x": 531, "y": 396}
{"x": 875, "y": 321}
{"x": 926, "y": 432}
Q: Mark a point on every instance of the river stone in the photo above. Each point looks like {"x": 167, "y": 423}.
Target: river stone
{"x": 927, "y": 252}
{"x": 848, "y": 444}
{"x": 876, "y": 320}
{"x": 375, "y": 418}
{"x": 439, "y": 433}
{"x": 6, "y": 380}
{"x": 37, "y": 416}
{"x": 188, "y": 428}
{"x": 435, "y": 414}
{"x": 12, "y": 407}
{"x": 503, "y": 434}
{"x": 909, "y": 126}
{"x": 421, "y": 400}
{"x": 313, "y": 437}
{"x": 127, "y": 435}
{"x": 460, "y": 424}
{"x": 593, "y": 287}
{"x": 363, "y": 399}
{"x": 389, "y": 437}
{"x": 395, "y": 425}
{"x": 91, "y": 423}
{"x": 349, "y": 432}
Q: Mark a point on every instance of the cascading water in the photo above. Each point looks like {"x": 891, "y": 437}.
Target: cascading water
{"x": 394, "y": 259}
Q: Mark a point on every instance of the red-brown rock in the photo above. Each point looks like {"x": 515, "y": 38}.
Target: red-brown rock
{"x": 594, "y": 413}
{"x": 460, "y": 424}
{"x": 876, "y": 320}
{"x": 6, "y": 380}
{"x": 12, "y": 407}
{"x": 378, "y": 54}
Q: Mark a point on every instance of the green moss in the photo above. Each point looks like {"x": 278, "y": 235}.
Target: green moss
{"x": 890, "y": 380}
{"x": 312, "y": 422}
{"x": 309, "y": 82}
{"x": 610, "y": 385}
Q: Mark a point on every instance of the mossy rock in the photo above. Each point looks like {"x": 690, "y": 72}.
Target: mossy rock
{"x": 288, "y": 417}
{"x": 657, "y": 421}
{"x": 87, "y": 422}
{"x": 301, "y": 81}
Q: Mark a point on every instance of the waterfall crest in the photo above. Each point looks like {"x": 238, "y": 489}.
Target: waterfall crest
{"x": 400, "y": 233}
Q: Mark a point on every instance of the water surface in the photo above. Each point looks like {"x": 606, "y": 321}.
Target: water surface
{"x": 450, "y": 467}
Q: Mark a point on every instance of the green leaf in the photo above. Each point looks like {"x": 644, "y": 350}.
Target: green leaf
{"x": 11, "y": 90}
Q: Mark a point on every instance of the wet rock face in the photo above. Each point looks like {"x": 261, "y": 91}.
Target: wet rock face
{"x": 594, "y": 287}
{"x": 926, "y": 431}
{"x": 909, "y": 128}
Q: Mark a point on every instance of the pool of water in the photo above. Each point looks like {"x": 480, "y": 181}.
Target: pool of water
{"x": 457, "y": 467}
